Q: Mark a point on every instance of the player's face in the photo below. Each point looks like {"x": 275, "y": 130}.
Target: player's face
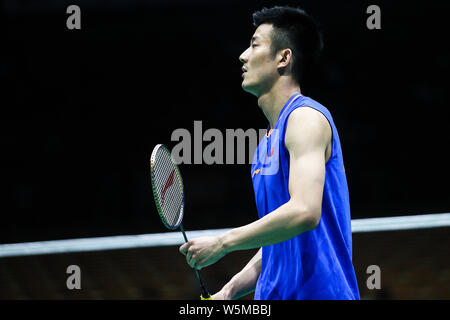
{"x": 259, "y": 64}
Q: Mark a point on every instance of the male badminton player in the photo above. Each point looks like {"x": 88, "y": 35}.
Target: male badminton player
{"x": 304, "y": 225}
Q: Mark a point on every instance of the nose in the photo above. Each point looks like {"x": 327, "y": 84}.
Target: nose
{"x": 244, "y": 56}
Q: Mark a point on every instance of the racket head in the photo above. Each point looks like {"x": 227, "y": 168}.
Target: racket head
{"x": 167, "y": 187}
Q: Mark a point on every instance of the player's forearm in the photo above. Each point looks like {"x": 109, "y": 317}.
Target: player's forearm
{"x": 284, "y": 223}
{"x": 244, "y": 282}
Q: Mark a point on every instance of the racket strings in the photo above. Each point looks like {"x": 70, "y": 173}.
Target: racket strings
{"x": 169, "y": 188}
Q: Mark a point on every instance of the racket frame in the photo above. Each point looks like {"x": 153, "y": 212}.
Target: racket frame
{"x": 179, "y": 180}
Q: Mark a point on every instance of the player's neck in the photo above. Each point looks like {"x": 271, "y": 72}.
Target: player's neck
{"x": 273, "y": 101}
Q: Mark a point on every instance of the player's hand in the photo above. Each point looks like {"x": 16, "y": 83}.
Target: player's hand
{"x": 202, "y": 252}
{"x": 220, "y": 296}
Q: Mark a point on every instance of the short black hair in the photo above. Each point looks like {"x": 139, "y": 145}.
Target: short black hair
{"x": 296, "y": 30}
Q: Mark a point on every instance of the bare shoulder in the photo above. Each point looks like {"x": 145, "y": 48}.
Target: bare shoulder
{"x": 307, "y": 126}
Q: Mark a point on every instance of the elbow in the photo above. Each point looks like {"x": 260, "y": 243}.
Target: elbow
{"x": 309, "y": 219}
{"x": 312, "y": 220}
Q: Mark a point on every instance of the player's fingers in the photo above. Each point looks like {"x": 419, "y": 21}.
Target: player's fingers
{"x": 184, "y": 248}
{"x": 189, "y": 258}
{"x": 200, "y": 264}
{"x": 192, "y": 261}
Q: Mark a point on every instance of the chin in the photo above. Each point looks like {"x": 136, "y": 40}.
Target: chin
{"x": 245, "y": 86}
{"x": 248, "y": 88}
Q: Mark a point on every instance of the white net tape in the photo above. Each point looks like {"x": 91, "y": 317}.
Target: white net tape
{"x": 176, "y": 238}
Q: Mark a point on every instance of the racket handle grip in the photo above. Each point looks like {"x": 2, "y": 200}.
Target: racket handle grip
{"x": 205, "y": 294}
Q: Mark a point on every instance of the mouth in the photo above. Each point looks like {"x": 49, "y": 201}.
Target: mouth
{"x": 244, "y": 71}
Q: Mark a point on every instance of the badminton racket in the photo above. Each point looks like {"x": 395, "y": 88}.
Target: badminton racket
{"x": 168, "y": 191}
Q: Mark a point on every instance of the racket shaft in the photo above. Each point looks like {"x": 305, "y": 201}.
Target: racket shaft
{"x": 184, "y": 234}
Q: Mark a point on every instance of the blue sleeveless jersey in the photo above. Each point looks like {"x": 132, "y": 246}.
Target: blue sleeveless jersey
{"x": 316, "y": 264}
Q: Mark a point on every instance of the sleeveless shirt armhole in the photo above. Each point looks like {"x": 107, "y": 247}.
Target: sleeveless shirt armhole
{"x": 331, "y": 128}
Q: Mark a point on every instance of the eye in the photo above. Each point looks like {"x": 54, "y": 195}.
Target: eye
{"x": 254, "y": 45}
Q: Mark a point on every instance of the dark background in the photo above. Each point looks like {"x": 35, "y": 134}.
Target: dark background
{"x": 81, "y": 110}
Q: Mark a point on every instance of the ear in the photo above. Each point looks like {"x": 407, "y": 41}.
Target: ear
{"x": 284, "y": 58}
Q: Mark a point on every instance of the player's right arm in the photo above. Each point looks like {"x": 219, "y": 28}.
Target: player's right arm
{"x": 243, "y": 282}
